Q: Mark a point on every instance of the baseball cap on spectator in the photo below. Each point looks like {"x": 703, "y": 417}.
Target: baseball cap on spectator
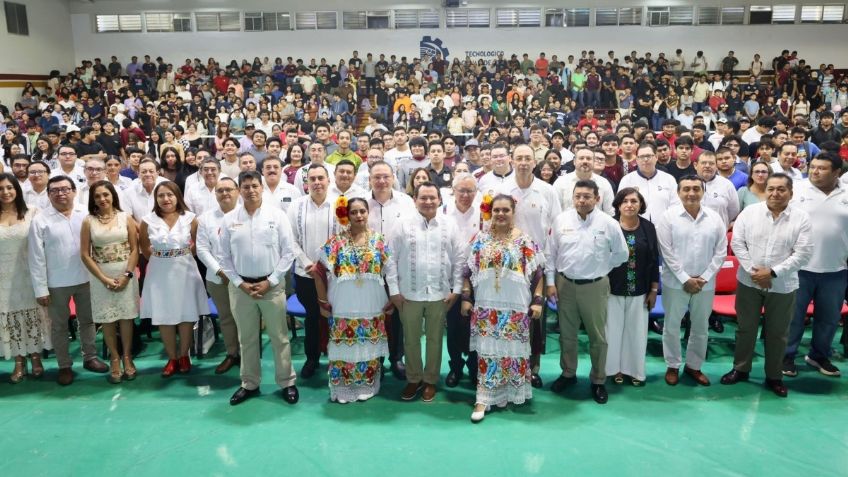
{"x": 249, "y": 124}
{"x": 558, "y": 133}
{"x": 471, "y": 143}
{"x": 70, "y": 128}
{"x": 722, "y": 120}
{"x": 743, "y": 119}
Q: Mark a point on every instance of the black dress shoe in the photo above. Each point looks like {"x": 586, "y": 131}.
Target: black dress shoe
{"x": 776, "y": 386}
{"x": 399, "y": 370}
{"x": 599, "y": 393}
{"x": 536, "y": 381}
{"x": 562, "y": 382}
{"x": 308, "y": 369}
{"x": 241, "y": 395}
{"x": 734, "y": 377}
{"x": 291, "y": 395}
{"x": 452, "y": 379}
{"x": 655, "y": 326}
{"x": 716, "y": 324}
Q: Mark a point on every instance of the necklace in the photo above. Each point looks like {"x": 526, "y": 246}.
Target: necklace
{"x": 106, "y": 219}
{"x": 496, "y": 251}
{"x": 358, "y": 251}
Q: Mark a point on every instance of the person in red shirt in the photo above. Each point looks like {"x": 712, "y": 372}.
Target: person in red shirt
{"x": 542, "y": 66}
{"x": 221, "y": 82}
{"x": 589, "y": 119}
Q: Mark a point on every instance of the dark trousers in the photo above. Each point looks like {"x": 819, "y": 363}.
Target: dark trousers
{"x": 308, "y": 297}
{"x": 459, "y": 335}
{"x": 395, "y": 336}
{"x": 827, "y": 291}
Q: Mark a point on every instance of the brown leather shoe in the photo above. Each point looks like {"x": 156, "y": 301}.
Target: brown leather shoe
{"x": 96, "y": 366}
{"x": 227, "y": 364}
{"x": 66, "y": 376}
{"x": 429, "y": 392}
{"x": 410, "y": 391}
{"x": 697, "y": 375}
{"x": 671, "y": 376}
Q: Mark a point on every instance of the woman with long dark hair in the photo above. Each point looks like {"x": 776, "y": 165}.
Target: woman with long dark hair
{"x": 109, "y": 250}
{"x": 24, "y": 327}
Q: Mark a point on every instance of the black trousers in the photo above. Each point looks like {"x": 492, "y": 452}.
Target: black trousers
{"x": 395, "y": 333}
{"x": 459, "y": 335}
{"x": 306, "y": 293}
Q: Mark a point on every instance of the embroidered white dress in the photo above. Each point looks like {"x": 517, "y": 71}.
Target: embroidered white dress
{"x": 24, "y": 326}
{"x": 501, "y": 274}
{"x": 358, "y": 326}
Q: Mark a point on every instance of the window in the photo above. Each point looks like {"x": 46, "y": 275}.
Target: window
{"x": 822, "y": 14}
{"x": 606, "y": 16}
{"x": 267, "y": 21}
{"x": 577, "y": 17}
{"x": 833, "y": 13}
{"x": 657, "y": 16}
{"x": 167, "y": 22}
{"x": 416, "y": 19}
{"x": 760, "y": 15}
{"x": 316, "y": 20}
{"x": 732, "y": 15}
{"x": 783, "y": 14}
{"x": 630, "y": 16}
{"x": 467, "y": 17}
{"x": 554, "y": 17}
{"x": 218, "y": 21}
{"x": 680, "y": 15}
{"x": 354, "y": 20}
{"x": 709, "y": 16}
{"x": 16, "y": 18}
{"x": 118, "y": 23}
{"x": 518, "y": 17}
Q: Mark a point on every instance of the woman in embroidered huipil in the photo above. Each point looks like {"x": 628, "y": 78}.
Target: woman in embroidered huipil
{"x": 352, "y": 296}
{"x": 109, "y": 250}
{"x": 505, "y": 270}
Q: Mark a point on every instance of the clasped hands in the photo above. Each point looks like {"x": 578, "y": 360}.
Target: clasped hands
{"x": 255, "y": 290}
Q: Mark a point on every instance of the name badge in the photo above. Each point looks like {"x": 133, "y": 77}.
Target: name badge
{"x": 286, "y": 199}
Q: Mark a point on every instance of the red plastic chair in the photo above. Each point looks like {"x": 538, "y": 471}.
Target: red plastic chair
{"x": 724, "y": 303}
{"x": 811, "y": 309}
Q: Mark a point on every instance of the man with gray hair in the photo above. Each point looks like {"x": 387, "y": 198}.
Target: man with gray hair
{"x": 465, "y": 212}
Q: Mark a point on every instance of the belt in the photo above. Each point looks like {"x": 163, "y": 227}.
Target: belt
{"x": 175, "y": 252}
{"x": 254, "y": 279}
{"x": 581, "y": 281}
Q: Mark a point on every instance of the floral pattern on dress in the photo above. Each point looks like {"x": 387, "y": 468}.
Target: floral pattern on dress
{"x": 343, "y": 373}
{"x": 500, "y": 324}
{"x": 630, "y": 238}
{"x": 111, "y": 253}
{"x": 520, "y": 255}
{"x": 352, "y": 331}
{"x": 498, "y": 371}
{"x": 348, "y": 262}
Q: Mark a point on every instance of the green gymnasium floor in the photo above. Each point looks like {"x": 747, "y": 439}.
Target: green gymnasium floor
{"x": 184, "y": 426}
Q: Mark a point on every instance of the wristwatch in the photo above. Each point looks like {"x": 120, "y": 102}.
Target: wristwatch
{"x": 128, "y": 274}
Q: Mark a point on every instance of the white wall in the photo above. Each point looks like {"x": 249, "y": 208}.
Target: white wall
{"x": 49, "y": 45}
{"x": 816, "y": 43}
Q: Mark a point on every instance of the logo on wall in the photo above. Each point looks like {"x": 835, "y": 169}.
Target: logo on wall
{"x": 430, "y": 46}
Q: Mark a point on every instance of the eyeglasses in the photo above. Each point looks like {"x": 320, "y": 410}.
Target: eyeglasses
{"x": 60, "y": 191}
{"x": 37, "y": 173}
{"x": 646, "y": 157}
{"x": 466, "y": 191}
